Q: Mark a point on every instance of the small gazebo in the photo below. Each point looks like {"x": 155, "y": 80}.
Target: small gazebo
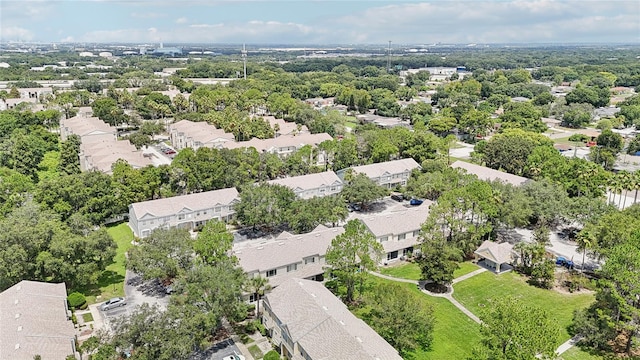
{"x": 497, "y": 257}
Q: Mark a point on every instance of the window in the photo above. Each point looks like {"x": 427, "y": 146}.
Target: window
{"x": 205, "y": 212}
{"x": 271, "y": 273}
{"x": 309, "y": 260}
{"x": 392, "y": 255}
{"x": 143, "y": 223}
{"x": 416, "y": 233}
{"x": 198, "y": 213}
{"x": 218, "y": 208}
{"x": 292, "y": 267}
{"x": 384, "y": 238}
{"x": 181, "y": 217}
{"x": 402, "y": 236}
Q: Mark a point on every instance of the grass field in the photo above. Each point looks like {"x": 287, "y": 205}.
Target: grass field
{"x": 411, "y": 271}
{"x": 408, "y": 270}
{"x": 474, "y": 292}
{"x": 255, "y": 351}
{"x": 465, "y": 268}
{"x": 454, "y": 334}
{"x": 111, "y": 282}
{"x": 575, "y": 353}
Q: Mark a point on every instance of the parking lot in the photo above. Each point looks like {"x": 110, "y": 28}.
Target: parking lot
{"x": 218, "y": 351}
{"x": 137, "y": 292}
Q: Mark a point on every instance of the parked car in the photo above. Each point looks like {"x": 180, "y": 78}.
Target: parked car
{"x": 397, "y": 197}
{"x": 234, "y": 357}
{"x": 113, "y": 303}
{"x": 416, "y": 202}
{"x": 564, "y": 262}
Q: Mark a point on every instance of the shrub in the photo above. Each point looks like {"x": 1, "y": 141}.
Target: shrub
{"x": 250, "y": 327}
{"x": 271, "y": 355}
{"x": 578, "y": 138}
{"x": 74, "y": 319}
{"x": 76, "y": 300}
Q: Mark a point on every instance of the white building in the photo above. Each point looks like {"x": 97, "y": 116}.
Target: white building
{"x": 489, "y": 174}
{"x": 388, "y": 174}
{"x": 312, "y": 185}
{"x": 307, "y": 322}
{"x": 195, "y": 135}
{"x": 187, "y": 211}
{"x": 287, "y": 256}
{"x": 398, "y": 231}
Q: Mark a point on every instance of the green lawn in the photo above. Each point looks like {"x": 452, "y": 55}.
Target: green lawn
{"x": 474, "y": 292}
{"x": 465, "y": 268}
{"x": 454, "y": 334}
{"x": 111, "y": 282}
{"x": 87, "y": 317}
{"x": 409, "y": 271}
{"x": 575, "y": 353}
{"x": 255, "y": 351}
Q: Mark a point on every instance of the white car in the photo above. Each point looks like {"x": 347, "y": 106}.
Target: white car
{"x": 234, "y": 357}
{"x": 112, "y": 303}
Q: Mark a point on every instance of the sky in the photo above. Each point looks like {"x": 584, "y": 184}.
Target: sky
{"x": 321, "y": 21}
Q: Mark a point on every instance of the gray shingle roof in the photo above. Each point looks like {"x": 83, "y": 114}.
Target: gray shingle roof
{"x": 488, "y": 174}
{"x": 33, "y": 321}
{"x": 323, "y": 326}
{"x": 310, "y": 181}
{"x": 398, "y": 222}
{"x": 286, "y": 249}
{"x": 501, "y": 253}
{"x": 387, "y": 167}
{"x": 280, "y": 142}
{"x": 197, "y": 201}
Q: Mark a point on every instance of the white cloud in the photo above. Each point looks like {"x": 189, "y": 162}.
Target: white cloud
{"x": 182, "y": 20}
{"x": 15, "y": 33}
{"x": 68, "y": 39}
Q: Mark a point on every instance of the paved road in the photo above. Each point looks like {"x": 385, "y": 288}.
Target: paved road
{"x": 218, "y": 351}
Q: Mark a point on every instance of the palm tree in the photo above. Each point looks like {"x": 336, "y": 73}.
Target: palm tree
{"x": 636, "y": 185}
{"x": 626, "y": 180}
{"x": 257, "y": 286}
{"x": 585, "y": 241}
{"x": 616, "y": 187}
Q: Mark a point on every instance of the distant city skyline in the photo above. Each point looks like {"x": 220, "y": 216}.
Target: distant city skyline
{"x": 320, "y": 21}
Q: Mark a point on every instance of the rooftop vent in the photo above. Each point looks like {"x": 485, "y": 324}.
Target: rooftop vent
{"x": 15, "y": 302}
{"x": 325, "y": 308}
{"x": 17, "y": 315}
{"x": 17, "y": 346}
{"x": 281, "y": 243}
{"x": 20, "y": 328}
{"x": 313, "y": 295}
{"x": 342, "y": 322}
{"x": 260, "y": 247}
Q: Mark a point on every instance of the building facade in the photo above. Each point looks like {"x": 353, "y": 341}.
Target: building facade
{"x": 312, "y": 185}
{"x": 388, "y": 174}
{"x": 187, "y": 211}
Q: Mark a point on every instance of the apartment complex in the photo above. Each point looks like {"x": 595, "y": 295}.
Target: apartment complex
{"x": 287, "y": 256}
{"x": 195, "y": 135}
{"x": 308, "y": 322}
{"x": 312, "y": 185}
{"x": 99, "y": 144}
{"x": 398, "y": 231}
{"x": 388, "y": 174}
{"x": 489, "y": 174}
{"x": 35, "y": 320}
{"x": 187, "y": 211}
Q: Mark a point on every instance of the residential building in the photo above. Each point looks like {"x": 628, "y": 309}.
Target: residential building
{"x": 488, "y": 174}
{"x": 383, "y": 121}
{"x": 195, "y": 135}
{"x": 312, "y": 185}
{"x": 87, "y": 127}
{"x": 287, "y": 256}
{"x": 186, "y": 211}
{"x": 282, "y": 127}
{"x": 35, "y": 320}
{"x": 398, "y": 231}
{"x": 99, "y": 144}
{"x": 308, "y": 322}
{"x": 35, "y": 93}
{"x": 388, "y": 174}
{"x": 283, "y": 145}
{"x": 101, "y": 155}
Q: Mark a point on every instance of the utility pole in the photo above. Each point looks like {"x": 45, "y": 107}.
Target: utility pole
{"x": 244, "y": 60}
{"x": 389, "y": 58}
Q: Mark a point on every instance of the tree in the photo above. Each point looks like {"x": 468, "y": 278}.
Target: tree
{"x": 512, "y": 329}
{"x": 616, "y": 312}
{"x": 359, "y": 189}
{"x": 400, "y": 318}
{"x": 164, "y": 254}
{"x": 214, "y": 242}
{"x": 353, "y": 253}
{"x": 576, "y": 118}
{"x": 258, "y": 285}
{"x": 438, "y": 260}
{"x": 522, "y": 116}
{"x": 69, "y": 155}
{"x": 510, "y": 150}
{"x": 264, "y": 205}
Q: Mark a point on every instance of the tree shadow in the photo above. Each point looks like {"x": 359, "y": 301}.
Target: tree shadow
{"x": 107, "y": 278}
